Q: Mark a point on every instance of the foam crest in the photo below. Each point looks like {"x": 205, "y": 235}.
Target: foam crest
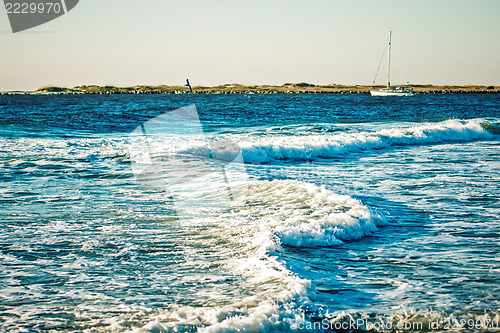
{"x": 281, "y": 213}
{"x": 303, "y": 214}
{"x": 305, "y": 143}
{"x": 312, "y": 146}
{"x": 291, "y": 213}
{"x": 271, "y": 215}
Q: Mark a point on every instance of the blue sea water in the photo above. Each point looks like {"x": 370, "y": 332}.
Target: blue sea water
{"x": 353, "y": 209}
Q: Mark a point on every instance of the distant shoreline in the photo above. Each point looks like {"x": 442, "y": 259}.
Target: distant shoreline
{"x": 287, "y": 88}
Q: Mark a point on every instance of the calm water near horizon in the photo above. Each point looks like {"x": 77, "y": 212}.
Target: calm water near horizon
{"x": 374, "y": 210}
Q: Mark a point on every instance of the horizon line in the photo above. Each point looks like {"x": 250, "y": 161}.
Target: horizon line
{"x": 299, "y": 84}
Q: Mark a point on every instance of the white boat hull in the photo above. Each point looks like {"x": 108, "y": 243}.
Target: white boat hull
{"x": 390, "y": 93}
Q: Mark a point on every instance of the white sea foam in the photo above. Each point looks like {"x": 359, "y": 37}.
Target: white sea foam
{"x": 409, "y": 320}
{"x": 271, "y": 215}
{"x": 255, "y": 148}
{"x": 278, "y": 147}
{"x": 303, "y": 214}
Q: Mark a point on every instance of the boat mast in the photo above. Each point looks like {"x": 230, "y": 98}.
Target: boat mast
{"x": 389, "y": 63}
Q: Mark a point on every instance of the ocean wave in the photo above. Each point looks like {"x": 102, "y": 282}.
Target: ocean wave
{"x": 256, "y": 146}
{"x": 408, "y": 320}
{"x": 301, "y": 214}
{"x": 313, "y": 146}
{"x": 268, "y": 217}
{"x": 282, "y": 213}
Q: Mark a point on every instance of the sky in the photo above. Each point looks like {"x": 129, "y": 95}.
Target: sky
{"x": 132, "y": 42}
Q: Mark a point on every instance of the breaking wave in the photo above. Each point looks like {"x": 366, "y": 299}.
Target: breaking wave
{"x": 313, "y": 146}
{"x": 273, "y": 215}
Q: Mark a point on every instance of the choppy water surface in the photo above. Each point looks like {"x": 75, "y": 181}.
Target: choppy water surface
{"x": 353, "y": 208}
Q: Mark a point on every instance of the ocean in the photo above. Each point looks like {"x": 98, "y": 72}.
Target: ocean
{"x": 327, "y": 213}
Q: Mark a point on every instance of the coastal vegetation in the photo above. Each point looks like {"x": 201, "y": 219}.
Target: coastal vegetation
{"x": 235, "y": 88}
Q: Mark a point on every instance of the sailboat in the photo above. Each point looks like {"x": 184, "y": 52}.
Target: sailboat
{"x": 390, "y": 91}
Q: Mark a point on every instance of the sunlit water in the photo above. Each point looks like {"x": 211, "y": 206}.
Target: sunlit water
{"x": 353, "y": 208}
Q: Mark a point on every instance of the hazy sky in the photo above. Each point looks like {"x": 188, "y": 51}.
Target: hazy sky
{"x": 211, "y": 42}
